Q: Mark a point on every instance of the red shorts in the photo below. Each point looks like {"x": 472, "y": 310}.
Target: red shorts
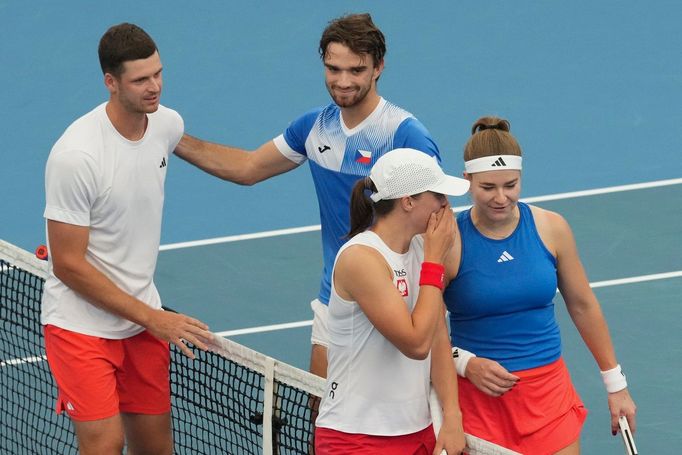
{"x": 332, "y": 442}
{"x": 542, "y": 414}
{"x": 99, "y": 378}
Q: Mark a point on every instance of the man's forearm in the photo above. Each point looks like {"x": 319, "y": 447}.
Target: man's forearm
{"x": 225, "y": 162}
{"x": 100, "y": 291}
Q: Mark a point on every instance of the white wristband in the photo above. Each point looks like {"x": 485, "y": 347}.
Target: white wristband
{"x": 461, "y": 358}
{"x": 614, "y": 379}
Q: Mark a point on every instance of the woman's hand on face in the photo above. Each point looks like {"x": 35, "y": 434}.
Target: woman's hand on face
{"x": 440, "y": 235}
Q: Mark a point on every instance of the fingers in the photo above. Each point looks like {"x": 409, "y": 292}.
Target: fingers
{"x": 496, "y": 390}
{"x": 502, "y": 373}
{"x": 449, "y": 221}
{"x": 179, "y": 330}
{"x": 505, "y": 383}
{"x": 433, "y": 223}
{"x": 196, "y": 322}
{"x": 441, "y": 231}
{"x": 621, "y": 404}
{"x": 452, "y": 449}
{"x": 199, "y": 339}
{"x": 493, "y": 379}
{"x": 193, "y": 331}
{"x": 195, "y": 341}
{"x": 629, "y": 423}
{"x": 443, "y": 213}
{"x": 492, "y": 387}
{"x": 632, "y": 422}
{"x": 184, "y": 348}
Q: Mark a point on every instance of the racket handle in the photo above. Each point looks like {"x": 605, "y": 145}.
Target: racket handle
{"x": 626, "y": 433}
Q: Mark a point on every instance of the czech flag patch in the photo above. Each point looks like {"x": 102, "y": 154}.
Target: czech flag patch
{"x": 363, "y": 157}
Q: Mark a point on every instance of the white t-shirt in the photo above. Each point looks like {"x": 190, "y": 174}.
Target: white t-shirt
{"x": 97, "y": 178}
{"x": 372, "y": 387}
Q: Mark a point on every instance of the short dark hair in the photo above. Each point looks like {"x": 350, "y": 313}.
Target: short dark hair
{"x": 122, "y": 43}
{"x": 358, "y": 33}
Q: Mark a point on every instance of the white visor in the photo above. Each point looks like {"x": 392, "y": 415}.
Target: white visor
{"x": 493, "y": 163}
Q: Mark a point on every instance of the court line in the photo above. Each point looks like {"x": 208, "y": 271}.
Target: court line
{"x": 596, "y": 284}
{"x": 265, "y": 328}
{"x": 316, "y": 227}
{"x": 636, "y": 279}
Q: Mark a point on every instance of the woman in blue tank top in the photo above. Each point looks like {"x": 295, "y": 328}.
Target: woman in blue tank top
{"x": 509, "y": 259}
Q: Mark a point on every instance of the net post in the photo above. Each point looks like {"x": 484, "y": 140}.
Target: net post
{"x": 268, "y": 394}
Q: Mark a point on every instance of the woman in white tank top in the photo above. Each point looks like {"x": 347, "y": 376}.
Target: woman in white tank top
{"x": 388, "y": 339}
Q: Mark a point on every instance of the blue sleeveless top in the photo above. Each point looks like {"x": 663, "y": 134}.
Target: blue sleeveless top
{"x": 500, "y": 302}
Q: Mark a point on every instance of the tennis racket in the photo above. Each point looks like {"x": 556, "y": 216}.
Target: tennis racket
{"x": 628, "y": 439}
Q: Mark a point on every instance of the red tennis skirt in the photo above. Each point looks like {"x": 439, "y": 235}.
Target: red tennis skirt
{"x": 333, "y": 442}
{"x": 542, "y": 414}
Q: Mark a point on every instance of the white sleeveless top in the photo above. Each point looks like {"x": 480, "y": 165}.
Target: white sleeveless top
{"x": 373, "y": 388}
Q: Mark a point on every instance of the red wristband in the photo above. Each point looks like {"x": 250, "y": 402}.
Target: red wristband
{"x": 432, "y": 274}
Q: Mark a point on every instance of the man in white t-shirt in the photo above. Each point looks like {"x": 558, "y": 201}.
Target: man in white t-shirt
{"x": 106, "y": 335}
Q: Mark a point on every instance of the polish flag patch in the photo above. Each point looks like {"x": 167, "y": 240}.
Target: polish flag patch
{"x": 401, "y": 284}
{"x": 363, "y": 157}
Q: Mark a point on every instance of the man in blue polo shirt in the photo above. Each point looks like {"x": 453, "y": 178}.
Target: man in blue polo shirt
{"x": 340, "y": 141}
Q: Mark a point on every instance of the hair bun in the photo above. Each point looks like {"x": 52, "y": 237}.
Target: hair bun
{"x": 490, "y": 123}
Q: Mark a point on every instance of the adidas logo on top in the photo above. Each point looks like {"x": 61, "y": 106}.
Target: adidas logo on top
{"x": 505, "y": 257}
{"x": 499, "y": 163}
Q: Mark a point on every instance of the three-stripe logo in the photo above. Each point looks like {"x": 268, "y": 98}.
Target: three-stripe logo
{"x": 505, "y": 257}
{"x": 499, "y": 162}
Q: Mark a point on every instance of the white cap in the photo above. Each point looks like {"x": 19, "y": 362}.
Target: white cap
{"x": 405, "y": 172}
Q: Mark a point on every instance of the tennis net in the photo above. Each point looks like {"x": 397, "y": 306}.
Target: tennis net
{"x": 229, "y": 400}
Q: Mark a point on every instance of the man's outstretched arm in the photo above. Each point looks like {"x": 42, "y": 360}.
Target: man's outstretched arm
{"x": 234, "y": 164}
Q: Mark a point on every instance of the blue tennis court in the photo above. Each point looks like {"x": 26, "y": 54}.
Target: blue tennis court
{"x": 592, "y": 91}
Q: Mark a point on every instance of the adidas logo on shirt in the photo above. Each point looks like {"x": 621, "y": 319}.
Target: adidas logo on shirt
{"x": 499, "y": 163}
{"x": 163, "y": 162}
{"x": 505, "y": 257}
